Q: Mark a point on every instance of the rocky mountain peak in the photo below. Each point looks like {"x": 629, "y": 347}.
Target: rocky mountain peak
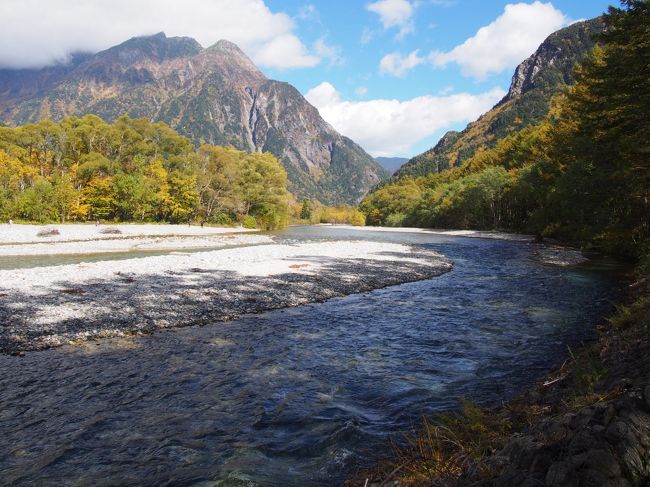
{"x": 227, "y": 47}
{"x": 559, "y": 47}
{"x": 157, "y": 48}
{"x": 215, "y": 95}
{"x": 226, "y": 52}
{"x": 535, "y": 81}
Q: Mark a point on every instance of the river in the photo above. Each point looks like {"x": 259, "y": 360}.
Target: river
{"x": 302, "y": 396}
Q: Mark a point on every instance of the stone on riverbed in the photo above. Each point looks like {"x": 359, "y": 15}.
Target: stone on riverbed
{"x": 558, "y": 255}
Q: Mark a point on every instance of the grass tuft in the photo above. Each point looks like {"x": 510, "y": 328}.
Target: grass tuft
{"x": 445, "y": 448}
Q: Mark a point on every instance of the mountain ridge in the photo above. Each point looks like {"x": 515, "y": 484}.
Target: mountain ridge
{"x": 213, "y": 95}
{"x": 535, "y": 81}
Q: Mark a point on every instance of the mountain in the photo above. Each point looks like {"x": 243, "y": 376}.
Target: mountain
{"x": 534, "y": 83}
{"x": 391, "y": 164}
{"x": 214, "y": 95}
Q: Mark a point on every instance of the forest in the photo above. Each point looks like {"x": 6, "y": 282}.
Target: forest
{"x": 581, "y": 175}
{"x": 84, "y": 169}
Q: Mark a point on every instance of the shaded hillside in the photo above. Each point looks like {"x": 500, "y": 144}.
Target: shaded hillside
{"x": 527, "y": 102}
{"x": 391, "y": 164}
{"x": 214, "y": 95}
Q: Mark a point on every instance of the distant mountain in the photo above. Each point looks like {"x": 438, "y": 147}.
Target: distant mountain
{"x": 214, "y": 95}
{"x": 391, "y": 164}
{"x": 534, "y": 83}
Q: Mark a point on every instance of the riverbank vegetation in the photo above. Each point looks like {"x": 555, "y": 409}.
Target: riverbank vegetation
{"x": 313, "y": 212}
{"x": 84, "y": 169}
{"x": 581, "y": 175}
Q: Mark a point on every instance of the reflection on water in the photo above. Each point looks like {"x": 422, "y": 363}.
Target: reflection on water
{"x": 300, "y": 396}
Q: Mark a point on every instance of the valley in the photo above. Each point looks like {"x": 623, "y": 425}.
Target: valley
{"x": 205, "y": 281}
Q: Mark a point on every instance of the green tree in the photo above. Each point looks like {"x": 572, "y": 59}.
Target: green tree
{"x": 602, "y": 195}
{"x": 64, "y": 198}
{"x": 37, "y": 202}
{"x": 305, "y": 211}
{"x": 98, "y": 195}
{"x": 133, "y": 169}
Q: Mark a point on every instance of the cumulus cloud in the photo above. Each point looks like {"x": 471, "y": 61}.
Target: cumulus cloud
{"x": 389, "y": 127}
{"x": 285, "y": 51}
{"x": 398, "y": 65}
{"x": 504, "y": 43}
{"x": 36, "y": 33}
{"x": 394, "y": 13}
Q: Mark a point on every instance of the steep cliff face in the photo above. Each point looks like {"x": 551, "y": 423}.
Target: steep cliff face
{"x": 535, "y": 81}
{"x": 214, "y": 95}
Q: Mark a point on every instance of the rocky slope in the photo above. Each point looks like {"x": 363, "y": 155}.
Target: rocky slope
{"x": 534, "y": 83}
{"x": 214, "y": 95}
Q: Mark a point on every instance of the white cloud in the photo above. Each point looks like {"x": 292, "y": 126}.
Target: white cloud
{"x": 398, "y": 65}
{"x": 36, "y": 32}
{"x": 285, "y": 51}
{"x": 308, "y": 12}
{"x": 390, "y": 127}
{"x": 504, "y": 43}
{"x": 361, "y": 91}
{"x": 394, "y": 13}
{"x": 332, "y": 53}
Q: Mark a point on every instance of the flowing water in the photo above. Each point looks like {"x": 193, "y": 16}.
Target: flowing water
{"x": 301, "y": 396}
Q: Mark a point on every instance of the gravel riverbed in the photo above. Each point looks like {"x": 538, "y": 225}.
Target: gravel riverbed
{"x": 43, "y": 307}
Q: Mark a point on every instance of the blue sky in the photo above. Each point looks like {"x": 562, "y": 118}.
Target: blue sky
{"x": 393, "y": 75}
{"x": 360, "y": 40}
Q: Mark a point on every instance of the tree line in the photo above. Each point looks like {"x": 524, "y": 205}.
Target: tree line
{"x": 582, "y": 174}
{"x": 313, "y": 212}
{"x": 134, "y": 170}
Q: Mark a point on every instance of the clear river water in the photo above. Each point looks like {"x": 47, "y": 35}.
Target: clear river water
{"x": 302, "y": 396}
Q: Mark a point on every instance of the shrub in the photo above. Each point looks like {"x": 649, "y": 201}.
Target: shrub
{"x": 249, "y": 222}
{"x": 221, "y": 219}
{"x": 358, "y": 219}
{"x": 395, "y": 219}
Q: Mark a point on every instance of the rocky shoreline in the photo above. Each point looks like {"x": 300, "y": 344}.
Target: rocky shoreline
{"x": 589, "y": 421}
{"x": 46, "y": 307}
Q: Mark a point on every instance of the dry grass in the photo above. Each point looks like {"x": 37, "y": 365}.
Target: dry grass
{"x": 444, "y": 449}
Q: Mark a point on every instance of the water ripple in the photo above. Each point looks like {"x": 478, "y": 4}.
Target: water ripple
{"x": 300, "y": 396}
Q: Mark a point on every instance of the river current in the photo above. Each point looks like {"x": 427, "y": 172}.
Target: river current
{"x": 302, "y": 396}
